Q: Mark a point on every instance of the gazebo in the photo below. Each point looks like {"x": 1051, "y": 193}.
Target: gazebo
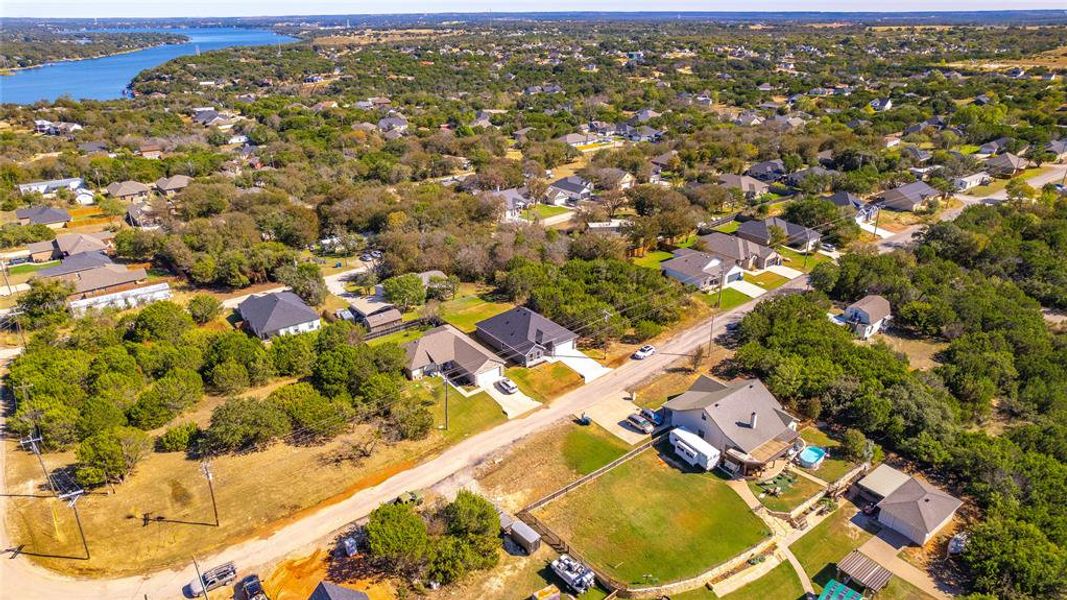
{"x": 858, "y": 569}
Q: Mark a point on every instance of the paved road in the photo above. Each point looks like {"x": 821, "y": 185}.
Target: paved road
{"x": 312, "y": 531}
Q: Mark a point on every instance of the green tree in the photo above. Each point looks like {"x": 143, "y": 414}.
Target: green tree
{"x": 854, "y": 444}
{"x": 45, "y": 303}
{"x": 471, "y": 515}
{"x": 398, "y": 537}
{"x": 229, "y": 377}
{"x": 111, "y": 454}
{"x": 405, "y": 291}
{"x": 161, "y": 321}
{"x": 293, "y": 355}
{"x": 312, "y": 413}
{"x": 243, "y": 423}
{"x": 178, "y": 438}
{"x": 204, "y": 307}
{"x": 305, "y": 280}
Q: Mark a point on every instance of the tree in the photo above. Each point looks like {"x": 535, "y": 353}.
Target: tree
{"x": 1015, "y": 559}
{"x": 854, "y": 444}
{"x": 777, "y": 236}
{"x": 160, "y": 322}
{"x": 138, "y": 244}
{"x": 179, "y": 438}
{"x": 45, "y": 303}
{"x": 242, "y": 423}
{"x": 306, "y": 281}
{"x": 405, "y": 291}
{"x": 398, "y": 537}
{"x": 413, "y": 420}
{"x": 111, "y": 455}
{"x": 169, "y": 395}
{"x": 1018, "y": 189}
{"x": 229, "y": 377}
{"x": 312, "y": 413}
{"x": 442, "y": 288}
{"x": 293, "y": 355}
{"x": 471, "y": 515}
{"x": 204, "y": 308}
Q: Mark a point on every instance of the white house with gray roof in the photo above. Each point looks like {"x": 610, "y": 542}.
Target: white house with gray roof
{"x": 743, "y": 420}
{"x": 917, "y": 510}
{"x": 525, "y": 337}
{"x": 572, "y": 189}
{"x": 280, "y": 313}
{"x": 868, "y": 315}
{"x": 704, "y": 270}
{"x": 446, "y": 350}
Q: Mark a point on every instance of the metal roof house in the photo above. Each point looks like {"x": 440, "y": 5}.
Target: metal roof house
{"x": 743, "y": 420}
{"x": 375, "y": 313}
{"x": 525, "y": 337}
{"x": 280, "y": 313}
{"x": 446, "y": 350}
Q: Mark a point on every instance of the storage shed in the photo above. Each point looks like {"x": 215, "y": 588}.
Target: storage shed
{"x": 524, "y": 535}
{"x": 693, "y": 449}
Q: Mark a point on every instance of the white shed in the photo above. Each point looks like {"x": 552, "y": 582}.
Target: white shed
{"x": 693, "y": 449}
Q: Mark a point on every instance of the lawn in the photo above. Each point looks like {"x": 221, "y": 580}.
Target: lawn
{"x": 731, "y": 298}
{"x": 465, "y": 312}
{"x": 999, "y": 184}
{"x": 587, "y": 448}
{"x": 795, "y": 490}
{"x": 828, "y": 542}
{"x": 767, "y": 280}
{"x": 466, "y": 416}
{"x": 780, "y": 583}
{"x": 834, "y": 466}
{"x": 546, "y": 380}
{"x": 399, "y": 337}
{"x": 646, "y": 521}
{"x": 795, "y": 260}
{"x": 31, "y": 267}
{"x": 651, "y": 260}
{"x": 728, "y": 227}
{"x": 543, "y": 211}
{"x": 898, "y": 589}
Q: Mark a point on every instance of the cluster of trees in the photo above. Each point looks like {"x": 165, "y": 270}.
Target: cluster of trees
{"x": 28, "y": 46}
{"x": 13, "y": 234}
{"x": 443, "y": 545}
{"x": 600, "y": 300}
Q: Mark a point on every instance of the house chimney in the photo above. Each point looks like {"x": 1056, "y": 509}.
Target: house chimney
{"x": 752, "y": 422}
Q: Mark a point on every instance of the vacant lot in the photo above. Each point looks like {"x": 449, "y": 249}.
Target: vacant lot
{"x": 545, "y": 381}
{"x": 587, "y": 448}
{"x": 677, "y": 379}
{"x": 646, "y": 521}
{"x": 801, "y": 262}
{"x": 835, "y": 465}
{"x": 828, "y": 542}
{"x": 465, "y": 312}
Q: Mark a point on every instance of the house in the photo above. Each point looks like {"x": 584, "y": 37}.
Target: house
{"x": 49, "y": 188}
{"x": 767, "y": 171}
{"x": 917, "y": 154}
{"x": 76, "y": 263}
{"x": 447, "y": 351}
{"x": 746, "y": 254}
{"x": 643, "y": 116}
{"x": 331, "y": 591}
{"x": 748, "y": 118}
{"x": 108, "y": 278}
{"x": 131, "y": 191}
{"x": 151, "y": 151}
{"x": 864, "y": 212}
{"x": 1057, "y": 148}
{"x": 375, "y": 313}
{"x": 879, "y": 483}
{"x": 868, "y": 315}
{"x": 393, "y": 122}
{"x": 664, "y": 160}
{"x": 573, "y": 188}
{"x": 890, "y": 141}
{"x": 881, "y": 104}
{"x": 917, "y": 510}
{"x": 750, "y": 186}
{"x": 40, "y": 214}
{"x": 615, "y": 179}
{"x": 995, "y": 147}
{"x": 1006, "y": 165}
{"x": 142, "y": 215}
{"x": 576, "y": 139}
{"x": 279, "y": 313}
{"x": 525, "y": 337}
{"x": 796, "y": 236}
{"x": 515, "y": 201}
{"x": 968, "y": 182}
{"x": 169, "y": 186}
{"x": 799, "y": 177}
{"x": 704, "y": 270}
{"x": 521, "y": 134}
{"x": 129, "y": 298}
{"x": 742, "y": 420}
{"x": 644, "y": 133}
{"x": 909, "y": 197}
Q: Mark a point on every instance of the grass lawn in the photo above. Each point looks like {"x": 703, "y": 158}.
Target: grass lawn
{"x": 829, "y": 542}
{"x": 31, "y": 267}
{"x": 652, "y": 259}
{"x": 795, "y": 260}
{"x": 587, "y": 448}
{"x": 546, "y": 380}
{"x": 647, "y": 521}
{"x": 674, "y": 381}
{"x": 795, "y": 490}
{"x": 767, "y": 280}
{"x": 968, "y": 148}
{"x": 466, "y": 416}
{"x": 729, "y": 227}
{"x": 834, "y": 466}
{"x": 898, "y": 589}
{"x": 780, "y": 583}
{"x": 731, "y": 298}
{"x": 400, "y": 337}
{"x": 543, "y": 211}
{"x": 999, "y": 184}
{"x": 464, "y": 313}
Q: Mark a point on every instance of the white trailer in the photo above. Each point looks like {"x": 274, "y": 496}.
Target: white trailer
{"x": 691, "y": 448}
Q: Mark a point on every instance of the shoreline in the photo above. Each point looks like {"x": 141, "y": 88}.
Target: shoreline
{"x": 13, "y": 70}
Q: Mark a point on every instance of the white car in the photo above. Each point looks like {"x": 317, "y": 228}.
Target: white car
{"x": 644, "y": 352}
{"x": 507, "y": 386}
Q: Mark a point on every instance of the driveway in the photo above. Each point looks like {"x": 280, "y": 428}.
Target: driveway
{"x": 884, "y": 548}
{"x": 784, "y": 271}
{"x": 610, "y": 413}
{"x": 515, "y": 404}
{"x": 583, "y": 364}
{"x": 878, "y": 231}
{"x": 749, "y": 289}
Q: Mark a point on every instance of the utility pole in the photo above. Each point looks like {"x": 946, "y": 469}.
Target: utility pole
{"x": 72, "y": 502}
{"x": 200, "y": 578}
{"x": 32, "y": 442}
{"x": 445, "y": 379}
{"x": 205, "y": 468}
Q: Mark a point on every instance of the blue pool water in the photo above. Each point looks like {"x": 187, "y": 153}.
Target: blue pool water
{"x": 811, "y": 456}
{"x": 105, "y": 78}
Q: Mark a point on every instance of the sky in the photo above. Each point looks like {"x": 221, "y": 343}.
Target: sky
{"x": 227, "y": 8}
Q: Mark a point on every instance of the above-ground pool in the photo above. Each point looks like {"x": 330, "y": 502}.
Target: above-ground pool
{"x": 811, "y": 457}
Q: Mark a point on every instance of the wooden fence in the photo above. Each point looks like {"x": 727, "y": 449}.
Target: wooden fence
{"x": 421, "y": 322}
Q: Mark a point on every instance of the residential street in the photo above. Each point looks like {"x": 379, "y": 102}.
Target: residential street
{"x": 314, "y": 530}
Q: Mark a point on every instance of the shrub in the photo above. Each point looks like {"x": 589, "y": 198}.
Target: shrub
{"x": 645, "y": 330}
{"x": 204, "y": 308}
{"x": 240, "y": 423}
{"x": 229, "y": 377}
{"x": 178, "y": 438}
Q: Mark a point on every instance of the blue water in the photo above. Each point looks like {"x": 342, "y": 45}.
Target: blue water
{"x": 811, "y": 456}
{"x": 105, "y": 78}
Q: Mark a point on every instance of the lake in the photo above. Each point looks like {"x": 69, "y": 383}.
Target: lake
{"x": 105, "y": 78}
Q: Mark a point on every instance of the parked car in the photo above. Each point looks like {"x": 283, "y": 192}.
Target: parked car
{"x": 640, "y": 423}
{"x": 828, "y": 247}
{"x": 652, "y": 415}
{"x": 413, "y": 498}
{"x": 252, "y": 588}
{"x": 644, "y": 352}
{"x": 507, "y": 386}
{"x": 349, "y": 546}
{"x": 366, "y": 257}
{"x": 210, "y": 579}
{"x": 376, "y": 253}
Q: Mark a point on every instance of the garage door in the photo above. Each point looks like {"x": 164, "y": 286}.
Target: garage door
{"x": 487, "y": 378}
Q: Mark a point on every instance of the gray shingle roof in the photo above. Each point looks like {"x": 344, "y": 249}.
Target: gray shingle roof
{"x": 731, "y": 406}
{"x": 919, "y": 504}
{"x": 43, "y": 215}
{"x": 329, "y": 591}
{"x": 76, "y": 263}
{"x": 271, "y": 312}
{"x": 445, "y": 344}
{"x": 731, "y": 246}
{"x": 876, "y": 307}
{"x": 520, "y": 329}
{"x": 761, "y": 231}
{"x": 695, "y": 266}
